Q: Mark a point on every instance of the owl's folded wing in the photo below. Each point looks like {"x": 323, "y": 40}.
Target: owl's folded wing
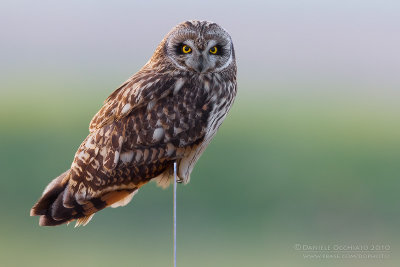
{"x": 143, "y": 88}
{"x": 128, "y": 150}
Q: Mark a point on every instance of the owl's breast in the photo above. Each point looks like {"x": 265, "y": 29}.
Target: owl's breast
{"x": 220, "y": 97}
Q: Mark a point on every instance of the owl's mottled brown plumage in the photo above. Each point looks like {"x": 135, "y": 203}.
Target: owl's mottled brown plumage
{"x": 168, "y": 111}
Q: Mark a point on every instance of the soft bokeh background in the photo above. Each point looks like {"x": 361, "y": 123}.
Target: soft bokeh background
{"x": 310, "y": 153}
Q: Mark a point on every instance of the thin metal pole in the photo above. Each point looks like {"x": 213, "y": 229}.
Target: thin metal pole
{"x": 175, "y": 214}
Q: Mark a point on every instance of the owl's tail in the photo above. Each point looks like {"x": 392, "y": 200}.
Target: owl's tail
{"x": 53, "y": 212}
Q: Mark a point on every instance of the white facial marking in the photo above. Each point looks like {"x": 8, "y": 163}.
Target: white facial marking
{"x": 229, "y": 61}
{"x": 210, "y": 44}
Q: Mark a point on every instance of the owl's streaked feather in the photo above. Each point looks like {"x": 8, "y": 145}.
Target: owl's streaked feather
{"x": 168, "y": 111}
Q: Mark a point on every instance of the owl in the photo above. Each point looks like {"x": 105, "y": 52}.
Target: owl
{"x": 167, "y": 112}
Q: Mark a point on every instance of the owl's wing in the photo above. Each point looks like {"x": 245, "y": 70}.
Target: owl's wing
{"x": 143, "y": 88}
{"x": 126, "y": 152}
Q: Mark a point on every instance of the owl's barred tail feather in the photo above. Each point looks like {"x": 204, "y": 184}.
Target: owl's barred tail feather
{"x": 52, "y": 211}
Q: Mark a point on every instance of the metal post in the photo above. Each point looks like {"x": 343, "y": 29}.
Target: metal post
{"x": 174, "y": 214}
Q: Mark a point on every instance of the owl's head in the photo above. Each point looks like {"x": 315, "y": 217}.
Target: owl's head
{"x": 199, "y": 46}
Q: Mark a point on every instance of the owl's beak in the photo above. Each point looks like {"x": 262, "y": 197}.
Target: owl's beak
{"x": 200, "y": 66}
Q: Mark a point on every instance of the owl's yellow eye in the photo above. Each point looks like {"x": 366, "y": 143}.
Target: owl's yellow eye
{"x": 213, "y": 50}
{"x": 186, "y": 49}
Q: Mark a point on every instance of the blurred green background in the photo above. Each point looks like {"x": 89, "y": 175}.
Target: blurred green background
{"x": 308, "y": 155}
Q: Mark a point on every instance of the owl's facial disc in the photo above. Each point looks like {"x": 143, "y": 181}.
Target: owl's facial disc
{"x": 199, "y": 58}
{"x": 201, "y": 51}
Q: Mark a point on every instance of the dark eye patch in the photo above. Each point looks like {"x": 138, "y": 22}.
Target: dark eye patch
{"x": 220, "y": 50}
{"x": 178, "y": 49}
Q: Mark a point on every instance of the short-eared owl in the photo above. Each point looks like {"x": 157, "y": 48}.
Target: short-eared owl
{"x": 167, "y": 112}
